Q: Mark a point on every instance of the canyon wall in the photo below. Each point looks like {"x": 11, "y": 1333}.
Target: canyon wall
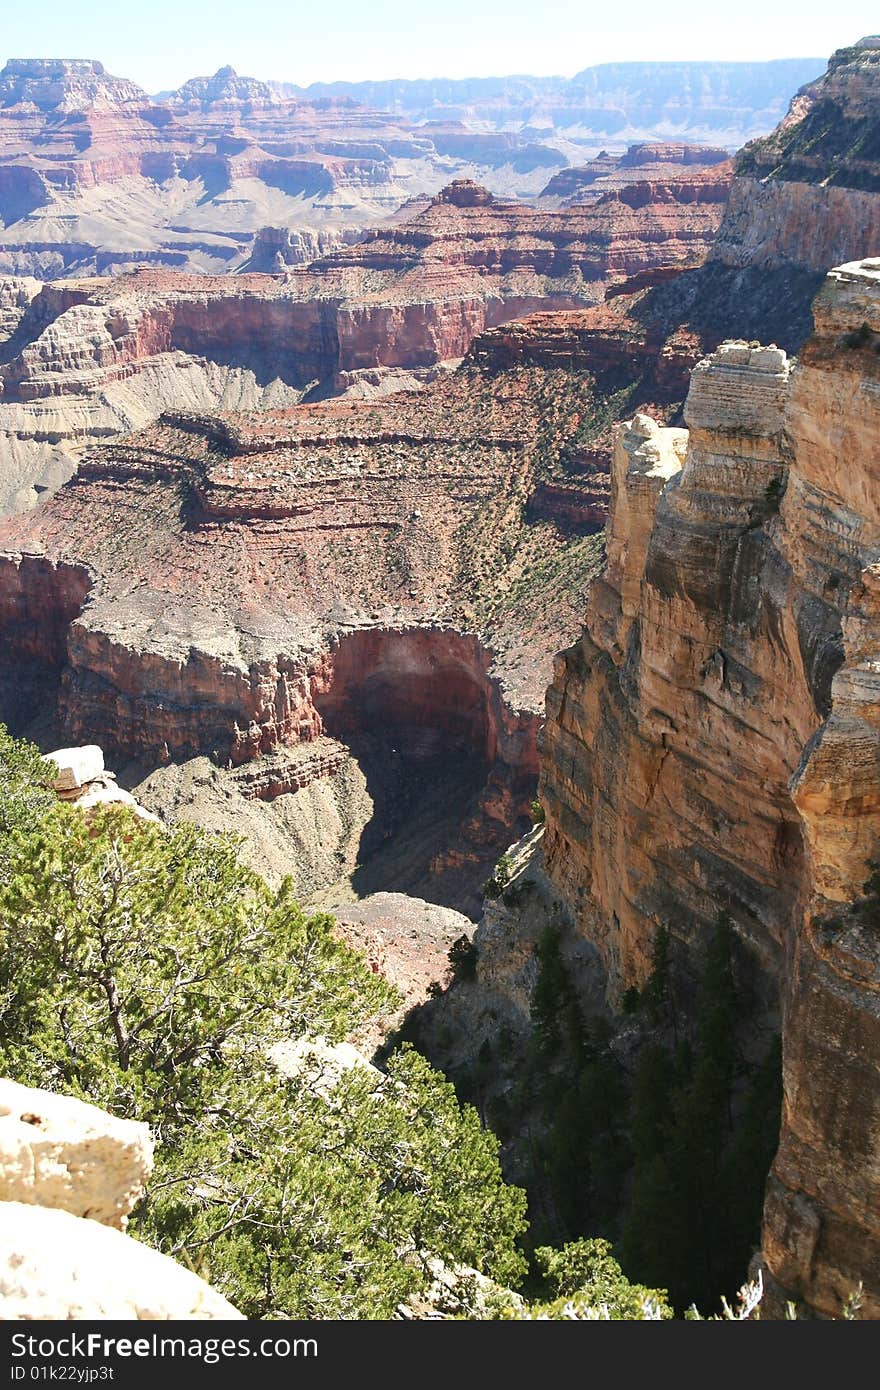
{"x": 802, "y": 199}
{"x": 85, "y": 359}
{"x": 711, "y": 743}
{"x": 253, "y": 591}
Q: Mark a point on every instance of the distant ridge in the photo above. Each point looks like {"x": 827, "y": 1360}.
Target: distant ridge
{"x": 654, "y": 97}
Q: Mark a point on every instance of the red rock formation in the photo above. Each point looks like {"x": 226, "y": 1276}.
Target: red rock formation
{"x": 701, "y": 173}
{"x": 89, "y": 165}
{"x": 620, "y": 336}
{"x": 40, "y": 599}
{"x": 263, "y": 580}
{"x": 802, "y": 200}
{"x": 405, "y": 298}
{"x": 701, "y": 753}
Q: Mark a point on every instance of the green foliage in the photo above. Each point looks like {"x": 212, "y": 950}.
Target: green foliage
{"x": 656, "y": 997}
{"x": 463, "y": 958}
{"x": 501, "y": 876}
{"x": 136, "y": 960}
{"x": 631, "y": 1000}
{"x": 25, "y": 788}
{"x": 702, "y": 1145}
{"x": 859, "y": 337}
{"x": 585, "y": 1273}
{"x": 537, "y": 812}
{"x": 773, "y": 492}
{"x": 328, "y": 1208}
{"x": 151, "y": 973}
{"x": 552, "y": 994}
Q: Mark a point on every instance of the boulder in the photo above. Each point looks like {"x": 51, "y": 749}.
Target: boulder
{"x": 56, "y": 1151}
{"x": 76, "y": 766}
{"x": 57, "y": 1266}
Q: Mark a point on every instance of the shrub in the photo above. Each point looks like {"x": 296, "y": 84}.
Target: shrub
{"x": 501, "y": 876}
{"x": 150, "y": 972}
{"x": 463, "y": 958}
{"x": 585, "y": 1274}
{"x": 859, "y": 337}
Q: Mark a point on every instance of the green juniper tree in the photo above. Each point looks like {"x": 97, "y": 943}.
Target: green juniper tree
{"x": 151, "y": 973}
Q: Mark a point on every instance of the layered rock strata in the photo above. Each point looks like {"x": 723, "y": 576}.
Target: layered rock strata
{"x": 700, "y": 172}
{"x": 262, "y": 588}
{"x": 95, "y": 176}
{"x": 711, "y": 744}
{"x": 720, "y": 102}
{"x": 95, "y": 357}
{"x": 802, "y": 200}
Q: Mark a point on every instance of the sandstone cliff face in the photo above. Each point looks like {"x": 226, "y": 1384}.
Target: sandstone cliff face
{"x": 828, "y": 136}
{"x": 16, "y": 294}
{"x": 772, "y": 225}
{"x": 807, "y": 194}
{"x": 711, "y": 741}
{"x": 821, "y": 1230}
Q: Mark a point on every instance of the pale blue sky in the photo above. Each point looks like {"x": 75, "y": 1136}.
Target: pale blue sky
{"x": 160, "y": 43}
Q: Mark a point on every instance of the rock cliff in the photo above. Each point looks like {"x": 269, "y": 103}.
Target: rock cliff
{"x": 94, "y": 357}
{"x": 798, "y": 204}
{"x": 274, "y": 590}
{"x": 711, "y": 742}
{"x": 802, "y": 200}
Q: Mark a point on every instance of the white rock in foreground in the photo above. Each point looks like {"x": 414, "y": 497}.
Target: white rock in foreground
{"x": 76, "y": 766}
{"x": 60, "y": 1267}
{"x": 56, "y": 1151}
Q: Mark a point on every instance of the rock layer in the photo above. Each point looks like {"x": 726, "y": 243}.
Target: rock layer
{"x": 253, "y": 584}
{"x": 91, "y": 358}
{"x": 711, "y": 743}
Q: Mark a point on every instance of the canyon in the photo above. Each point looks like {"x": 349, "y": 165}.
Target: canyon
{"x": 88, "y": 358}
{"x": 318, "y": 557}
{"x": 96, "y": 176}
{"x": 255, "y": 587}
